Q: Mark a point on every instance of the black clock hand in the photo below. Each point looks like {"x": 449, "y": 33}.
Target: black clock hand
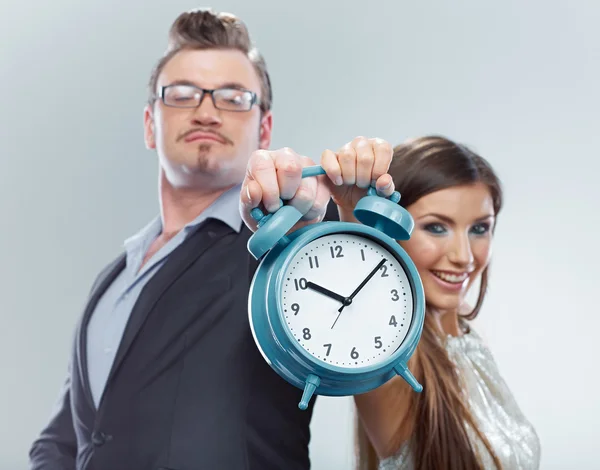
{"x": 358, "y": 289}
{"x": 364, "y": 283}
{"x": 327, "y": 292}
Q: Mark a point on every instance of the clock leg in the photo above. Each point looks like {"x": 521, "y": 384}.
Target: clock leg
{"x": 312, "y": 382}
{"x": 407, "y": 375}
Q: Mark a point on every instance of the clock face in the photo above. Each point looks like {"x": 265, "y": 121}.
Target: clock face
{"x": 317, "y": 284}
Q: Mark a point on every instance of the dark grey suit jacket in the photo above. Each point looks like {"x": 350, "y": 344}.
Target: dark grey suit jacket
{"x": 188, "y": 390}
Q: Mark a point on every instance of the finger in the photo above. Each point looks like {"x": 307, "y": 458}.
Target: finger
{"x": 261, "y": 169}
{"x": 251, "y": 194}
{"x": 383, "y": 152}
{"x": 322, "y": 199}
{"x": 305, "y": 195}
{"x": 385, "y": 185}
{"x": 347, "y": 160}
{"x": 364, "y": 162}
{"x": 331, "y": 165}
{"x": 250, "y": 197}
{"x": 289, "y": 172}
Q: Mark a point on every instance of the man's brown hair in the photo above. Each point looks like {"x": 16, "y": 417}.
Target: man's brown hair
{"x": 206, "y": 29}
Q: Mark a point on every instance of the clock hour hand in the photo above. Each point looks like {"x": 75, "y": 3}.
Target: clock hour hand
{"x": 324, "y": 291}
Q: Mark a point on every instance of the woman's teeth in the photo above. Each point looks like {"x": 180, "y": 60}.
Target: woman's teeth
{"x": 452, "y": 278}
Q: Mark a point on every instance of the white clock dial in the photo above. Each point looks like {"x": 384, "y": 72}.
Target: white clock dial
{"x": 369, "y": 329}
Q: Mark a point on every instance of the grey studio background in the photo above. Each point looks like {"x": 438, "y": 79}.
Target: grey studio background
{"x": 516, "y": 80}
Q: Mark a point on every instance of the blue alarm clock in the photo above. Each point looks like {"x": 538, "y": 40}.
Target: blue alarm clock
{"x": 336, "y": 308}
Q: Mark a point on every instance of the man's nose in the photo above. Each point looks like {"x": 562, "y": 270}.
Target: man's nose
{"x": 206, "y": 113}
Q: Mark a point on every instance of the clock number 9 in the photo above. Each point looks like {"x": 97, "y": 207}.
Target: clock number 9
{"x": 295, "y": 308}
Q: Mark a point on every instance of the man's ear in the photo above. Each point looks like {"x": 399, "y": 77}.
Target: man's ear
{"x": 266, "y": 129}
{"x": 149, "y": 136}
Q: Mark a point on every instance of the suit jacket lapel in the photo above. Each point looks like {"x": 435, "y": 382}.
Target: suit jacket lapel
{"x": 177, "y": 262}
{"x": 104, "y": 280}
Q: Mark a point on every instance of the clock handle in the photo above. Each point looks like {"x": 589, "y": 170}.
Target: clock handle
{"x": 376, "y": 211}
{"x": 317, "y": 170}
{"x": 312, "y": 382}
{"x": 314, "y": 170}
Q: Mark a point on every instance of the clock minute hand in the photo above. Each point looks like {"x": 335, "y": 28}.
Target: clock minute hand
{"x": 348, "y": 301}
{"x": 362, "y": 284}
{"x": 324, "y": 291}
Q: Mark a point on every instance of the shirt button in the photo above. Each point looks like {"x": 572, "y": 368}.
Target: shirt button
{"x": 99, "y": 438}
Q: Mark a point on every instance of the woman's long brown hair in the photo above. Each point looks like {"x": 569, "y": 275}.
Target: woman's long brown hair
{"x": 440, "y": 414}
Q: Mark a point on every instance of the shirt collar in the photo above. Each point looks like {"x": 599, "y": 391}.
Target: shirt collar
{"x": 225, "y": 208}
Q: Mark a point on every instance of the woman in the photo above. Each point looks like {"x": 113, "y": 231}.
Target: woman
{"x": 465, "y": 418}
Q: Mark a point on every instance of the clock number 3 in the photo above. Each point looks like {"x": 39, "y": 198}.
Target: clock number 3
{"x": 395, "y": 295}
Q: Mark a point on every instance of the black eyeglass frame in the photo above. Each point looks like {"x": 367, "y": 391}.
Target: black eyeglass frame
{"x": 204, "y": 91}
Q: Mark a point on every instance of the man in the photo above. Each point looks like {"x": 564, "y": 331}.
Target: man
{"x": 164, "y": 373}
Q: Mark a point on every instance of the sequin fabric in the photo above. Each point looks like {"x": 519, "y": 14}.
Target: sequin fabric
{"x": 494, "y": 408}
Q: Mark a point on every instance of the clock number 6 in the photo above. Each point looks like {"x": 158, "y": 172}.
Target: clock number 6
{"x": 354, "y": 353}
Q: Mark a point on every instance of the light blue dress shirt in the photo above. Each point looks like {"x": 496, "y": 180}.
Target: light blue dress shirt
{"x": 107, "y": 323}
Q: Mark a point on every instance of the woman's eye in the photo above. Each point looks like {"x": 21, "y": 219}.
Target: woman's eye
{"x": 435, "y": 228}
{"x": 480, "y": 229}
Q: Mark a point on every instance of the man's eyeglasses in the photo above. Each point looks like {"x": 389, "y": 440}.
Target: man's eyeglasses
{"x": 189, "y": 96}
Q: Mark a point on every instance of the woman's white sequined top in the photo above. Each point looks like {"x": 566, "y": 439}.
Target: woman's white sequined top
{"x": 494, "y": 408}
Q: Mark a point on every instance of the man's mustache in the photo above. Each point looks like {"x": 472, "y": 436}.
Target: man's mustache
{"x": 220, "y": 136}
